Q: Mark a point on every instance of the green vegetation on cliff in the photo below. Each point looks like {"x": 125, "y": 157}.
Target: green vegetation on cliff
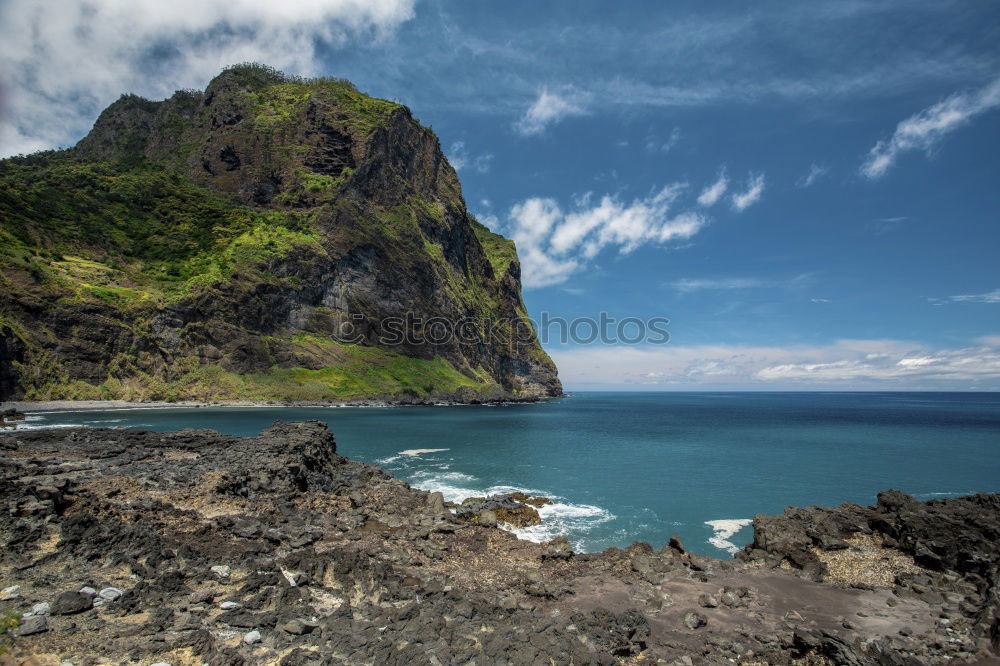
{"x": 358, "y": 372}
{"x": 500, "y": 250}
{"x": 212, "y": 245}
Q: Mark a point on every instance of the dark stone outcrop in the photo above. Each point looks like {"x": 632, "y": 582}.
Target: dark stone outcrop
{"x": 276, "y": 549}
{"x": 514, "y": 509}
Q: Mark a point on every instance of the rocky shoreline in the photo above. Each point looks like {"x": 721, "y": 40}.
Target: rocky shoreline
{"x": 36, "y": 407}
{"x": 191, "y": 547}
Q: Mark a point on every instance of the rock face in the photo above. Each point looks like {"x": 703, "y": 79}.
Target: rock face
{"x": 195, "y": 547}
{"x": 267, "y": 238}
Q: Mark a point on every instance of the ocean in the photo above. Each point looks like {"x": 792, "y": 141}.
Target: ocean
{"x": 624, "y": 467}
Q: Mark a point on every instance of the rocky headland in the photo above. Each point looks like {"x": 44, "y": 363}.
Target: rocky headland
{"x": 267, "y": 238}
{"x": 191, "y": 547}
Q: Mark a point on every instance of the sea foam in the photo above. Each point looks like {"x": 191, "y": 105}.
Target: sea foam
{"x": 563, "y": 518}
{"x": 724, "y": 529}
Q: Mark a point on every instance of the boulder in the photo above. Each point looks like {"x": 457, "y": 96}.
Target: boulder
{"x": 70, "y": 603}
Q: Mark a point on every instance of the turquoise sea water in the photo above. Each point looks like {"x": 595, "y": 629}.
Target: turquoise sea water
{"x": 643, "y": 466}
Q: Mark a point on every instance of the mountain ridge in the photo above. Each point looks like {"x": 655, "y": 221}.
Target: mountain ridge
{"x": 218, "y": 244}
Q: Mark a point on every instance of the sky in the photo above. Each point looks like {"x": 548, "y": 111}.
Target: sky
{"x": 808, "y": 191}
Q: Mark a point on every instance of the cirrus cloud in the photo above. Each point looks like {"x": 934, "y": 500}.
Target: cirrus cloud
{"x": 925, "y": 129}
{"x": 712, "y": 193}
{"x": 751, "y": 195}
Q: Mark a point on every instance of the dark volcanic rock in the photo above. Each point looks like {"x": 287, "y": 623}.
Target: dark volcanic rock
{"x": 213, "y": 539}
{"x": 516, "y": 509}
{"x": 69, "y": 603}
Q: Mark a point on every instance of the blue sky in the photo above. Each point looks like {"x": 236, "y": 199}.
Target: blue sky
{"x": 808, "y": 191}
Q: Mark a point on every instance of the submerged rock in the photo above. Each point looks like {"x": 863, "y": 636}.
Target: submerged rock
{"x": 503, "y": 509}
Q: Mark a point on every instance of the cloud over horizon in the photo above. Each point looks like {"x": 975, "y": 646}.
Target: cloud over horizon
{"x": 843, "y": 364}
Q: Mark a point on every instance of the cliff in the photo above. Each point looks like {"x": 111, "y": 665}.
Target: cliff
{"x": 268, "y": 238}
{"x": 192, "y": 547}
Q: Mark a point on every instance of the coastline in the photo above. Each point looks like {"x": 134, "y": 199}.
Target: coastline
{"x": 239, "y": 550}
{"x": 49, "y": 406}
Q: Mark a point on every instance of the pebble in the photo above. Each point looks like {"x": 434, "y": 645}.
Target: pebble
{"x": 160, "y": 663}
{"x": 297, "y": 627}
{"x": 222, "y": 571}
{"x": 202, "y": 596}
{"x": 41, "y": 609}
{"x": 89, "y": 591}
{"x": 35, "y": 624}
{"x": 252, "y": 637}
{"x": 693, "y": 620}
{"x": 708, "y": 601}
{"x": 12, "y": 592}
{"x": 229, "y": 605}
{"x": 110, "y": 593}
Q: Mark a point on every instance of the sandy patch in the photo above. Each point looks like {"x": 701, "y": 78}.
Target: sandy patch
{"x": 866, "y": 563}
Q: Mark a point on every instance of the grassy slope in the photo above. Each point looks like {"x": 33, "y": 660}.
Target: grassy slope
{"x": 137, "y": 236}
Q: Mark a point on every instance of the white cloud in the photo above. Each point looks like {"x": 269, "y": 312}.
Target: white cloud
{"x": 688, "y": 285}
{"x": 459, "y": 158}
{"x": 865, "y": 364}
{"x": 553, "y": 243}
{"x": 820, "y": 300}
{"x": 691, "y": 285}
{"x": 968, "y": 364}
{"x": 711, "y": 194}
{"x": 550, "y": 108}
{"x": 923, "y": 130}
{"x": 65, "y": 61}
{"x": 815, "y": 173}
{"x": 751, "y": 195}
{"x": 989, "y": 297}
